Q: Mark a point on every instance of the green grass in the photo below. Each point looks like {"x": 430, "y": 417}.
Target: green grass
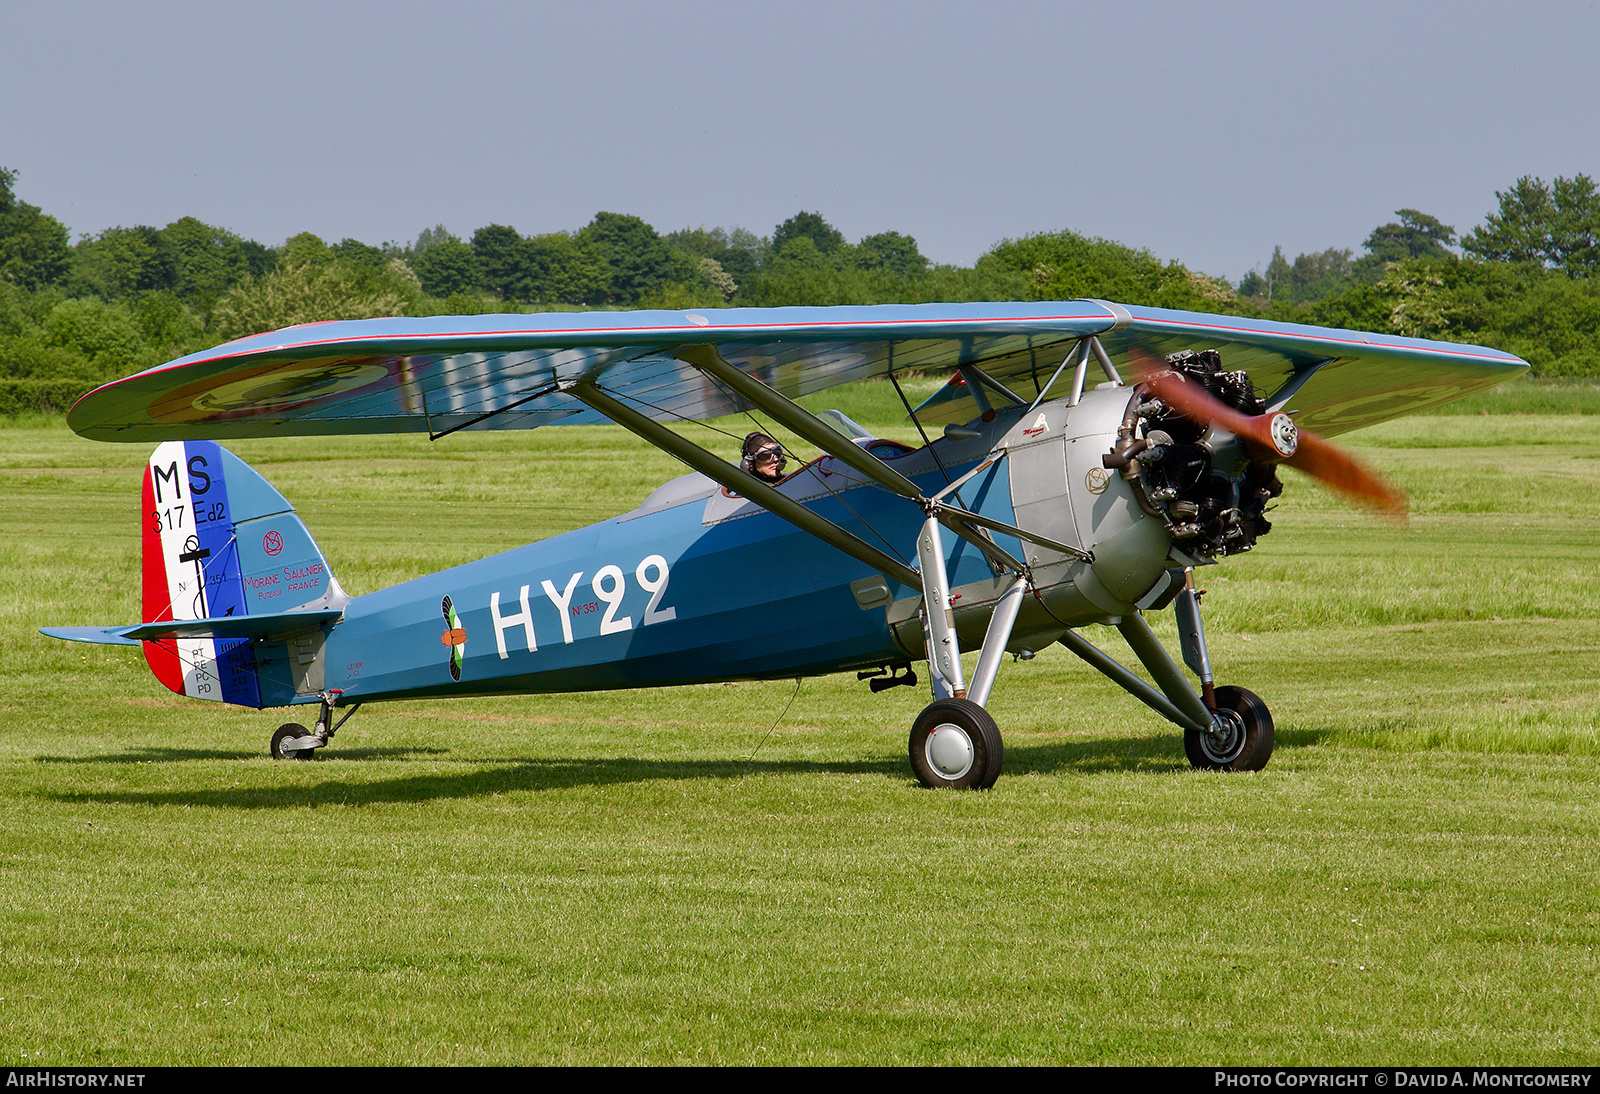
{"x": 671, "y": 877}
{"x": 1529, "y": 395}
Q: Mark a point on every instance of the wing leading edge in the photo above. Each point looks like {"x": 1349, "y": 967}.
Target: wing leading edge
{"x": 443, "y": 373}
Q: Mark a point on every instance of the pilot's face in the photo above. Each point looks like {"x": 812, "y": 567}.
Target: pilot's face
{"x": 765, "y": 462}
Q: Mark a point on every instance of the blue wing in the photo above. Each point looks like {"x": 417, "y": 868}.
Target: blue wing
{"x": 443, "y": 373}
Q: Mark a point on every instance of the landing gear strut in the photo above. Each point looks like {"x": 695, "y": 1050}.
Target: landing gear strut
{"x": 1224, "y": 729}
{"x": 292, "y": 741}
{"x": 954, "y": 743}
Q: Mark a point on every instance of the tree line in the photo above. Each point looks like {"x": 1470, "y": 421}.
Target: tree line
{"x": 73, "y": 315}
{"x": 1526, "y": 280}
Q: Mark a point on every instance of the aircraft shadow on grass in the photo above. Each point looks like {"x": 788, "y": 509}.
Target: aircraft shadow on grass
{"x": 1090, "y": 757}
{"x": 1093, "y": 756}
{"x": 190, "y": 755}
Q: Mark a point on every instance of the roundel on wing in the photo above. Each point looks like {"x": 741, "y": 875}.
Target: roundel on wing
{"x": 284, "y": 386}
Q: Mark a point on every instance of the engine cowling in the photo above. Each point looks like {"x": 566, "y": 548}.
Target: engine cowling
{"x": 1120, "y": 475}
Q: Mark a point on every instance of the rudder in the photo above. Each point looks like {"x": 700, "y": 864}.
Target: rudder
{"x": 220, "y": 541}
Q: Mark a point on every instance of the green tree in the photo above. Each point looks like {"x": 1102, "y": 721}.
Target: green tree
{"x": 827, "y": 238}
{"x": 1415, "y": 235}
{"x": 891, "y": 251}
{"x": 639, "y": 261}
{"x": 554, "y": 268}
{"x": 745, "y": 254}
{"x": 1277, "y": 277}
{"x": 205, "y": 261}
{"x": 1065, "y": 265}
{"x": 105, "y": 334}
{"x": 447, "y": 267}
{"x": 498, "y": 249}
{"x": 429, "y": 236}
{"x": 563, "y": 269}
{"x": 119, "y": 262}
{"x": 721, "y": 280}
{"x": 1543, "y": 316}
{"x": 1309, "y": 277}
{"x": 800, "y": 253}
{"x": 361, "y": 254}
{"x": 1314, "y": 276}
{"x": 738, "y": 251}
{"x": 311, "y": 292}
{"x": 167, "y": 325}
{"x": 305, "y": 249}
{"x": 34, "y": 246}
{"x": 1555, "y": 225}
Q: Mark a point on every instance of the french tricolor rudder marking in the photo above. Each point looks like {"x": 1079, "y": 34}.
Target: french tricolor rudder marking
{"x": 191, "y": 571}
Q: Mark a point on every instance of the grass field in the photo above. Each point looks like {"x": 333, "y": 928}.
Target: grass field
{"x": 684, "y": 876}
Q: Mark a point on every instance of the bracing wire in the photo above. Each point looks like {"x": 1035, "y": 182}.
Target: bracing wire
{"x": 762, "y": 743}
{"x": 923, "y": 433}
{"x": 831, "y": 492}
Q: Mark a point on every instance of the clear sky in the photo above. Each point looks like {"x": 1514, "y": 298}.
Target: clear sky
{"x": 1204, "y": 132}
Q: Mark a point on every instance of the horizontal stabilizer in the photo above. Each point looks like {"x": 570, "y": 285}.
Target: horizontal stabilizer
{"x": 276, "y": 625}
{"x": 100, "y": 636}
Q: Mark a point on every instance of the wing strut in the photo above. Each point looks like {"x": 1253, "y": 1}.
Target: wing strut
{"x": 742, "y": 482}
{"x": 799, "y": 419}
{"x": 1291, "y": 387}
{"x": 825, "y": 437}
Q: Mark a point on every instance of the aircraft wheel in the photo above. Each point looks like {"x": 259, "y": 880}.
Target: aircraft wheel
{"x": 286, "y": 732}
{"x": 955, "y": 744}
{"x": 1247, "y": 743}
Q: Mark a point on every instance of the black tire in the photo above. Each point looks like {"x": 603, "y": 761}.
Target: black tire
{"x": 284, "y": 733}
{"x": 969, "y": 758}
{"x": 1247, "y": 748}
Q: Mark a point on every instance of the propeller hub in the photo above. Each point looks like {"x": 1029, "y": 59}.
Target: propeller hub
{"x": 1285, "y": 435}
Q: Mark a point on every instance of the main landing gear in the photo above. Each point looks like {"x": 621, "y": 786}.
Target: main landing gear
{"x": 955, "y": 744}
{"x": 1224, "y": 729}
{"x": 292, "y": 741}
{"x": 1241, "y": 739}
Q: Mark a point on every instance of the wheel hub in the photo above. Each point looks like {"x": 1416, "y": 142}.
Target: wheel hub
{"x": 949, "y": 751}
{"x": 1225, "y": 739}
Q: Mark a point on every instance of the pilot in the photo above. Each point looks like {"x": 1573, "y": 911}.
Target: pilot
{"x": 763, "y": 457}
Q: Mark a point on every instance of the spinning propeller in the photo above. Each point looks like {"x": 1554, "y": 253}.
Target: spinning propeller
{"x": 1271, "y": 437}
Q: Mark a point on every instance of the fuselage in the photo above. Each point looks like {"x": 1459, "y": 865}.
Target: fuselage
{"x": 695, "y": 585}
{"x": 699, "y": 585}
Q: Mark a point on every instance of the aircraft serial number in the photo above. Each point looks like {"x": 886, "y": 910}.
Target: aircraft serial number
{"x": 609, "y": 585}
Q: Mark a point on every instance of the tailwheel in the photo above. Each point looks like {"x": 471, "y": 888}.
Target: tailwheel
{"x": 1242, "y": 738}
{"x": 956, "y": 745}
{"x": 291, "y": 732}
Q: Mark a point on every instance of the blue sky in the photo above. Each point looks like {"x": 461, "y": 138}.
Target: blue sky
{"x": 1204, "y": 132}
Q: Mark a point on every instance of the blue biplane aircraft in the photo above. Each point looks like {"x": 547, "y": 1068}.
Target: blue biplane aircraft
{"x": 1048, "y": 503}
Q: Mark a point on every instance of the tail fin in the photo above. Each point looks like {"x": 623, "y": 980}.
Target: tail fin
{"x": 220, "y": 541}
